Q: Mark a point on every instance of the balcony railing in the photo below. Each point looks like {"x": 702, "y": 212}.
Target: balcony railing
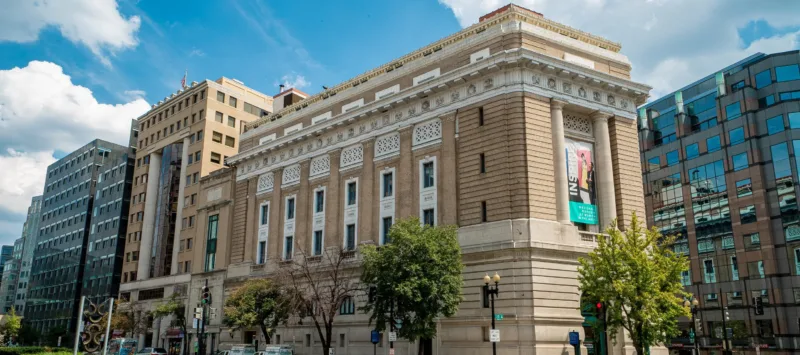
{"x": 589, "y": 237}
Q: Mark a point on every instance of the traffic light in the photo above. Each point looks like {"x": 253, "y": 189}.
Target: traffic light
{"x": 206, "y": 299}
{"x": 759, "y": 305}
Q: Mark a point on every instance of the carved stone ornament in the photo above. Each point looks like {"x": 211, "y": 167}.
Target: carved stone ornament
{"x": 551, "y": 83}
{"x": 488, "y": 83}
{"x": 624, "y": 104}
{"x": 398, "y": 116}
{"x": 611, "y": 100}
{"x": 596, "y": 96}
{"x": 412, "y": 111}
{"x": 537, "y": 80}
{"x": 426, "y": 104}
{"x": 454, "y": 95}
{"x": 471, "y": 89}
{"x": 582, "y": 92}
{"x": 567, "y": 87}
{"x": 440, "y": 101}
{"x": 386, "y": 120}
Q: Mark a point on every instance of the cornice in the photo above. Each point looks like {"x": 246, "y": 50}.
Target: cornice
{"x": 559, "y": 33}
{"x": 545, "y": 71}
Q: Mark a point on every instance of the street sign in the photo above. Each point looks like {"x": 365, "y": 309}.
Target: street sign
{"x": 195, "y": 323}
{"x": 375, "y": 337}
{"x": 392, "y": 336}
{"x": 574, "y": 338}
{"x": 498, "y": 317}
{"x": 494, "y": 335}
{"x": 730, "y": 332}
{"x": 391, "y": 351}
{"x": 198, "y": 312}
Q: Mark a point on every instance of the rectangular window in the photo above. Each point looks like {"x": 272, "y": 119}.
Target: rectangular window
{"x": 484, "y": 218}
{"x": 231, "y": 121}
{"x": 755, "y": 269}
{"x": 763, "y": 79}
{"x": 734, "y": 268}
{"x": 737, "y": 85}
{"x": 427, "y": 217}
{"x": 215, "y": 158}
{"x": 713, "y": 144}
{"x": 348, "y": 306}
{"x": 766, "y": 101}
{"x": 736, "y": 136}
{"x": 708, "y": 267}
{"x": 198, "y": 155}
{"x": 316, "y": 248}
{"x": 747, "y": 214}
{"x": 752, "y": 241}
{"x": 319, "y": 202}
{"x": 794, "y": 120}
{"x": 211, "y": 243}
{"x": 480, "y": 116}
{"x": 290, "y": 209}
{"x": 780, "y": 161}
{"x": 740, "y": 161}
{"x": 733, "y": 110}
{"x": 692, "y": 151}
{"x": 220, "y": 96}
{"x": 288, "y": 246}
{"x": 672, "y": 158}
{"x": 427, "y": 175}
{"x": 654, "y": 164}
{"x": 483, "y": 163}
{"x": 787, "y": 73}
{"x": 775, "y": 125}
{"x": 744, "y": 188}
{"x": 350, "y": 237}
{"x": 264, "y": 214}
{"x": 388, "y": 184}
{"x": 232, "y": 101}
{"x": 686, "y": 278}
{"x": 218, "y": 117}
{"x": 385, "y": 228}
{"x": 200, "y": 135}
{"x": 351, "y": 193}
{"x": 216, "y": 137}
{"x": 262, "y": 251}
{"x": 789, "y": 95}
{"x": 230, "y": 141}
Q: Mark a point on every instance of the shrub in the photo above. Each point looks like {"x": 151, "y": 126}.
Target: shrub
{"x": 33, "y": 350}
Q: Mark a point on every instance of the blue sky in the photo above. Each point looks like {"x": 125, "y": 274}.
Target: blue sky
{"x": 74, "y": 71}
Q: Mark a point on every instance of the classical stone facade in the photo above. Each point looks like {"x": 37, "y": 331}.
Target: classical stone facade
{"x": 492, "y": 129}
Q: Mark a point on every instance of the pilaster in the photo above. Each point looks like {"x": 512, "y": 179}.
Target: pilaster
{"x": 604, "y": 179}
{"x": 332, "y": 204}
{"x": 405, "y": 174}
{"x": 368, "y": 195}
{"x": 275, "y": 217}
{"x": 559, "y": 160}
{"x": 448, "y": 205}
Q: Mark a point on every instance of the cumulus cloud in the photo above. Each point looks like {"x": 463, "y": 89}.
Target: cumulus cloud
{"x": 42, "y": 111}
{"x": 670, "y": 43}
{"x": 97, "y": 24}
{"x": 294, "y": 80}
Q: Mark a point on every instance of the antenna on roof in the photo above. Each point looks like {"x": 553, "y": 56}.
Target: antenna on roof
{"x": 281, "y": 86}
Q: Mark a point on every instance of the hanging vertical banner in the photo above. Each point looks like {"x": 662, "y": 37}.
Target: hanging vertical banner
{"x": 581, "y": 182}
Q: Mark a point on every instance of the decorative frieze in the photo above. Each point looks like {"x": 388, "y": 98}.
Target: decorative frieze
{"x": 387, "y": 145}
{"x": 352, "y": 156}
{"x": 320, "y": 166}
{"x": 578, "y": 124}
{"x": 291, "y": 175}
{"x": 265, "y": 183}
{"x": 427, "y": 133}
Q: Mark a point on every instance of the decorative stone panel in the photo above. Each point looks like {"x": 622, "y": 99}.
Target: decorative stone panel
{"x": 265, "y": 183}
{"x": 387, "y": 145}
{"x": 320, "y": 166}
{"x": 291, "y": 175}
{"x": 352, "y": 156}
{"x": 575, "y": 123}
{"x": 427, "y": 133}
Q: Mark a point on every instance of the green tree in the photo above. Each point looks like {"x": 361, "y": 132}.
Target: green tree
{"x": 12, "y": 326}
{"x": 257, "y": 303}
{"x": 130, "y": 317}
{"x": 29, "y": 335}
{"x": 176, "y": 309}
{"x": 417, "y": 277}
{"x": 637, "y": 276}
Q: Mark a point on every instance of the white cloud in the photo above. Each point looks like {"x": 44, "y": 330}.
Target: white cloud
{"x": 134, "y": 94}
{"x": 197, "y": 53}
{"x": 96, "y": 24}
{"x": 294, "y": 80}
{"x": 42, "y": 111}
{"x": 22, "y": 178}
{"x": 670, "y": 43}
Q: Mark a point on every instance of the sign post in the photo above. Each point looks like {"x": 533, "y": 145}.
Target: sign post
{"x": 494, "y": 335}
{"x": 498, "y": 317}
{"x": 575, "y": 341}
{"x": 375, "y": 338}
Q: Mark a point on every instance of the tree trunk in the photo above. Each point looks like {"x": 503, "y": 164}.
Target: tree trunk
{"x": 267, "y": 338}
{"x": 639, "y": 349}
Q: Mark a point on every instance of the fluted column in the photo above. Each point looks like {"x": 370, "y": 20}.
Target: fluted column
{"x": 175, "y": 269}
{"x": 148, "y": 229}
{"x": 604, "y": 184}
{"x": 559, "y": 160}
{"x": 449, "y": 203}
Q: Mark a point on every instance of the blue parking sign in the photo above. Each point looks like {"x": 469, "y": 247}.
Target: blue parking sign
{"x": 574, "y": 338}
{"x": 375, "y": 337}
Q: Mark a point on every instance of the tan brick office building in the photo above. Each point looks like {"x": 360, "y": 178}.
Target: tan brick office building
{"x": 520, "y": 130}
{"x": 180, "y": 140}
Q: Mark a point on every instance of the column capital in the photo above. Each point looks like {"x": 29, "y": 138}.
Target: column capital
{"x": 406, "y": 131}
{"x": 368, "y": 142}
{"x": 600, "y": 116}
{"x": 304, "y": 163}
{"x": 556, "y": 104}
{"x": 448, "y": 116}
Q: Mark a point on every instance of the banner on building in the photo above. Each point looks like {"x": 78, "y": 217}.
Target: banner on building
{"x": 581, "y": 178}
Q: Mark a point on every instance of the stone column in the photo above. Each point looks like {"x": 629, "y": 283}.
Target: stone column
{"x": 559, "y": 160}
{"x": 304, "y": 208}
{"x": 175, "y": 268}
{"x": 275, "y": 217}
{"x": 604, "y": 169}
{"x": 405, "y": 175}
{"x": 367, "y": 195}
{"x": 333, "y": 224}
{"x": 449, "y": 203}
{"x": 148, "y": 229}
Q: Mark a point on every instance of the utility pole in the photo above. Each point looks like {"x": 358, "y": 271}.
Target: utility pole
{"x": 725, "y": 315}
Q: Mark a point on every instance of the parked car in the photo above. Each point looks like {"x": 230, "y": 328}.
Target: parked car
{"x": 152, "y": 351}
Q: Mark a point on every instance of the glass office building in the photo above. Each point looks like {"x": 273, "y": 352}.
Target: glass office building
{"x": 720, "y": 168}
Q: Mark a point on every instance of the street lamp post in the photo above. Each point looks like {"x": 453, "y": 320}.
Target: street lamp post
{"x": 694, "y": 308}
{"x": 492, "y": 292}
